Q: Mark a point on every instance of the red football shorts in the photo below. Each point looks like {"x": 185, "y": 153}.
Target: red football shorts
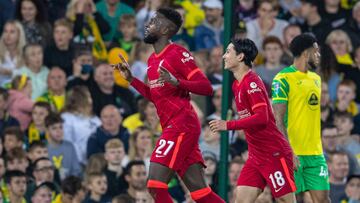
{"x": 277, "y": 172}
{"x": 177, "y": 150}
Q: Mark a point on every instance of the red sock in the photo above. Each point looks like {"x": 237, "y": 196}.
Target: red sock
{"x": 159, "y": 191}
{"x": 205, "y": 195}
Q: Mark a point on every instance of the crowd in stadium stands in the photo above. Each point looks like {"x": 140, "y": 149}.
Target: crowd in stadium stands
{"x": 72, "y": 130}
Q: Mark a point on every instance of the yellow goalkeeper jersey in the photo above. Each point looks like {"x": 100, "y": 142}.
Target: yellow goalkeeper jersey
{"x": 301, "y": 92}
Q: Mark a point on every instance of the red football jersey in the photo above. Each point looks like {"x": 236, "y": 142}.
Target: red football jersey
{"x": 256, "y": 118}
{"x": 173, "y": 103}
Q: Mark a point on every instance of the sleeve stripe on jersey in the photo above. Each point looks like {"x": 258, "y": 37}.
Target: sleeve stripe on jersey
{"x": 258, "y": 105}
{"x": 285, "y": 84}
{"x": 192, "y": 73}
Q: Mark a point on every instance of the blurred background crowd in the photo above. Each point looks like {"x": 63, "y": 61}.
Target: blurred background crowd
{"x": 72, "y": 130}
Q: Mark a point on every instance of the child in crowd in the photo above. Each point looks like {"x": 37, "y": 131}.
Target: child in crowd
{"x": 37, "y": 129}
{"x": 97, "y": 186}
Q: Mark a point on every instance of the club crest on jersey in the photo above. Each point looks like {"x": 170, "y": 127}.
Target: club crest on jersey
{"x": 187, "y": 58}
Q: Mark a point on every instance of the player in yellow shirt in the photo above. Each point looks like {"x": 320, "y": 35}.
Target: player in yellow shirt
{"x": 296, "y": 100}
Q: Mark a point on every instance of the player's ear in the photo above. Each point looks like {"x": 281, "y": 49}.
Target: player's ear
{"x": 240, "y": 57}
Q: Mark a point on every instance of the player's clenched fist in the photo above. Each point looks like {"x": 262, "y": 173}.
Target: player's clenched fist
{"x": 217, "y": 125}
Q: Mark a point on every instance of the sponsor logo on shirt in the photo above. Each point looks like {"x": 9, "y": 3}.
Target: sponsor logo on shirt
{"x": 187, "y": 58}
{"x": 254, "y": 88}
{"x": 155, "y": 84}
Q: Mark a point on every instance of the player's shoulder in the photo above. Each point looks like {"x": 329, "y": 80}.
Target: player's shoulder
{"x": 179, "y": 50}
{"x": 285, "y": 72}
{"x": 314, "y": 75}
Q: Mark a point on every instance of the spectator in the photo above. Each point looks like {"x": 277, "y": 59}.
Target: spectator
{"x": 273, "y": 50}
{"x": 79, "y": 121}
{"x": 60, "y": 53}
{"x": 5, "y": 119}
{"x": 344, "y": 122}
{"x": 144, "y": 15}
{"x": 141, "y": 145}
{"x": 11, "y": 50}
{"x": 210, "y": 170}
{"x": 326, "y": 106}
{"x": 353, "y": 73}
{"x": 2, "y": 169}
{"x": 96, "y": 164}
{"x": 339, "y": 169}
{"x": 97, "y": 185}
{"x": 245, "y": 10}
{"x": 89, "y": 26}
{"x": 144, "y": 197}
{"x": 111, "y": 128}
{"x": 210, "y": 33}
{"x": 135, "y": 176}
{"x": 211, "y": 142}
{"x": 235, "y": 167}
{"x": 214, "y": 72}
{"x": 82, "y": 66}
{"x": 126, "y": 37}
{"x": 123, "y": 198}
{"x": 37, "y": 150}
{"x": 352, "y": 189}
{"x": 340, "y": 43}
{"x": 31, "y": 13}
{"x": 290, "y": 10}
{"x": 183, "y": 36}
{"x": 61, "y": 152}
{"x": 345, "y": 98}
{"x": 330, "y": 142}
{"x": 16, "y": 184}
{"x": 19, "y": 103}
{"x": 216, "y": 102}
{"x": 335, "y": 15}
{"x": 13, "y": 137}
{"x": 43, "y": 172}
{"x": 314, "y": 22}
{"x": 146, "y": 116}
{"x": 104, "y": 91}
{"x": 265, "y": 24}
{"x": 328, "y": 70}
{"x": 34, "y": 69}
{"x": 115, "y": 155}
{"x": 16, "y": 160}
{"x": 43, "y": 193}
{"x": 72, "y": 190}
{"x": 290, "y": 32}
{"x": 55, "y": 95}
{"x": 139, "y": 68}
{"x": 112, "y": 10}
{"x": 353, "y": 27}
{"x": 37, "y": 128}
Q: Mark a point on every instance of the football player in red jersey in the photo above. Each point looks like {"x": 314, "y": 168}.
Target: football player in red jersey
{"x": 172, "y": 75}
{"x": 270, "y": 155}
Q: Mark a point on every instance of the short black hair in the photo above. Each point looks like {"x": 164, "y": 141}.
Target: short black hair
{"x": 71, "y": 185}
{"x": 53, "y": 118}
{"x": 301, "y": 43}
{"x": 248, "y": 48}
{"x": 173, "y": 16}
{"x": 36, "y": 144}
{"x": 13, "y": 173}
{"x": 131, "y": 164}
{"x": 38, "y": 160}
{"x": 327, "y": 125}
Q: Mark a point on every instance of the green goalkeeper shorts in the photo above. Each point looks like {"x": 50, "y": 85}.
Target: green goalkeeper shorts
{"x": 312, "y": 174}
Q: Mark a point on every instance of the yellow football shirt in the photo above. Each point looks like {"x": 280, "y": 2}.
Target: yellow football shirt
{"x": 301, "y": 92}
